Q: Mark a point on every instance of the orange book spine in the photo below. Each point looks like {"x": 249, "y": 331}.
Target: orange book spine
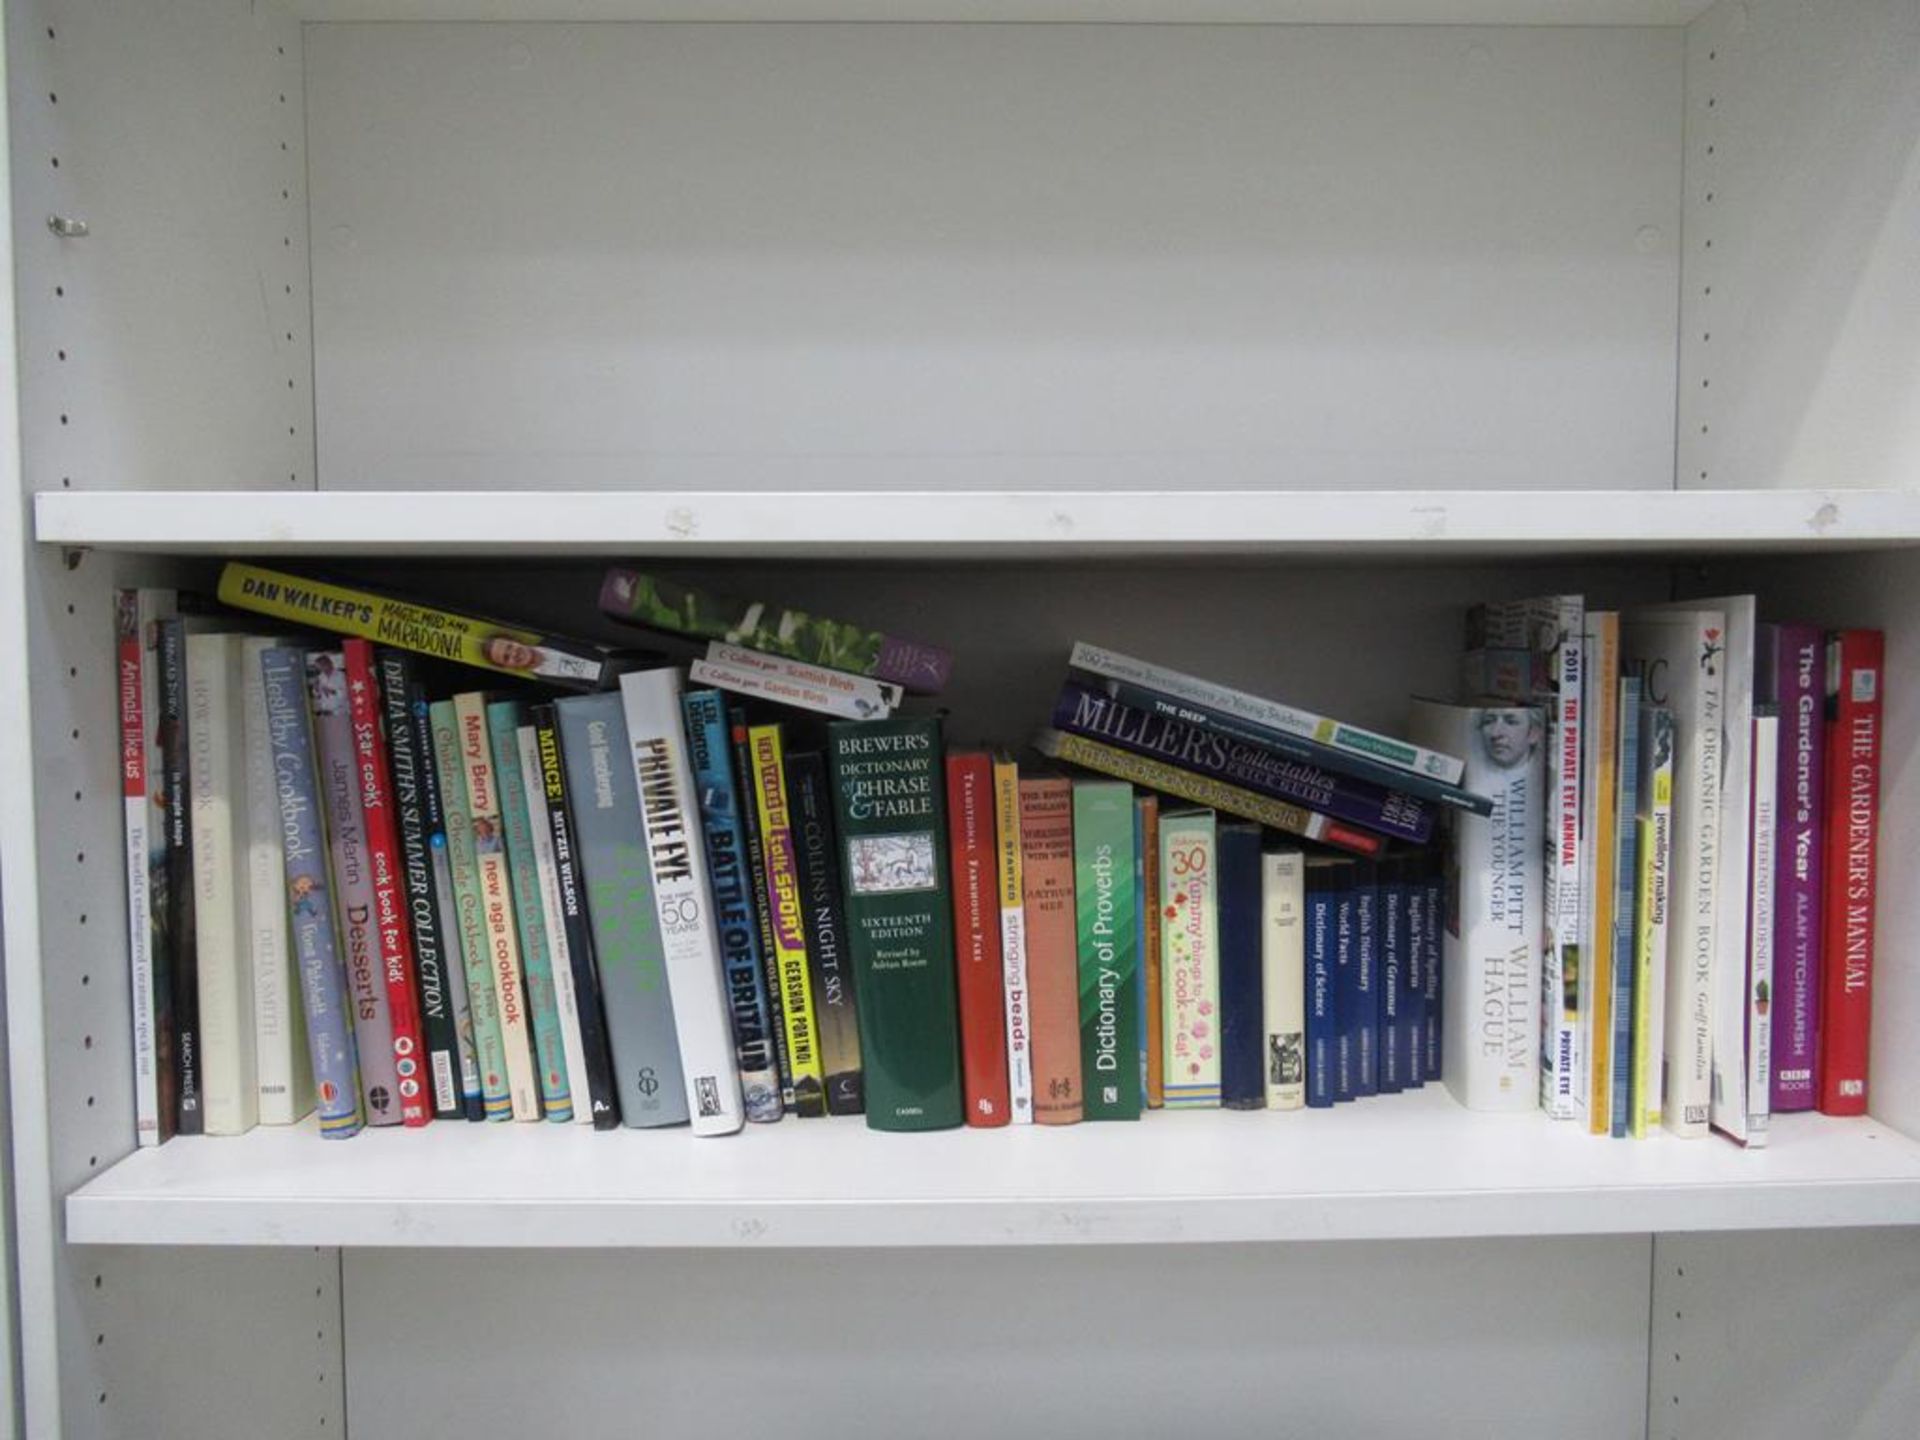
{"x": 1053, "y": 975}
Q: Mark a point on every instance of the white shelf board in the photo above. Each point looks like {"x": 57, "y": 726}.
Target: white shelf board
{"x": 1413, "y": 1165}
{"x": 1214, "y": 12}
{"x": 958, "y": 523}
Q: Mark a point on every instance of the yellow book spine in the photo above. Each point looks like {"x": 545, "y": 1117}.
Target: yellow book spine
{"x": 406, "y": 626}
{"x": 1600, "y": 948}
{"x": 789, "y": 930}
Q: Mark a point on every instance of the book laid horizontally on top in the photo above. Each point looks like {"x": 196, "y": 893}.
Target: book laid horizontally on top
{"x": 426, "y": 629}
{"x": 656, "y": 603}
{"x": 1285, "y": 730}
{"x": 796, "y": 683}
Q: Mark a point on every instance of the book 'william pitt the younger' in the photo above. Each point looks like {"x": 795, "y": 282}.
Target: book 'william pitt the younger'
{"x": 1491, "y": 946}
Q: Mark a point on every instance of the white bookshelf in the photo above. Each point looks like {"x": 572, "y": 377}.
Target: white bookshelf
{"x": 1262, "y": 333}
{"x": 1412, "y": 1166}
{"x": 1005, "y": 524}
{"x": 1192, "y": 12}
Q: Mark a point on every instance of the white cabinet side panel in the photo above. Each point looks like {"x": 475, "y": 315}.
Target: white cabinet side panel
{"x": 1800, "y": 310}
{"x": 1022, "y": 257}
{"x": 1791, "y": 1335}
{"x": 1439, "y": 1339}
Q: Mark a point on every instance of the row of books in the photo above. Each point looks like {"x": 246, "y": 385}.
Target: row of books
{"x": 473, "y": 906}
{"x": 781, "y": 895}
{"x": 1702, "y": 794}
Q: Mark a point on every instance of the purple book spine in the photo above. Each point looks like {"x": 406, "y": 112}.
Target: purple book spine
{"x": 1082, "y": 710}
{"x": 1800, "y": 677}
{"x": 353, "y": 883}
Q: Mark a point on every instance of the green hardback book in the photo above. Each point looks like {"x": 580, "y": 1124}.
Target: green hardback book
{"x": 1109, "y": 945}
{"x": 889, "y": 799}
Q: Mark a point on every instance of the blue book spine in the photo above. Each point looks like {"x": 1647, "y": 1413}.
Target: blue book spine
{"x": 1431, "y": 884}
{"x": 1242, "y": 1076}
{"x": 1291, "y": 747}
{"x": 1626, "y": 872}
{"x": 1413, "y": 993}
{"x": 711, "y": 752}
{"x": 1346, "y": 987}
{"x": 316, "y": 955}
{"x": 1323, "y": 902}
{"x": 1393, "y": 978}
{"x": 1366, "y": 980}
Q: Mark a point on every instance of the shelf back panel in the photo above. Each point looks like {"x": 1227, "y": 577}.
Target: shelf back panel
{"x": 1388, "y": 1338}
{"x": 160, "y": 236}
{"x": 1021, "y": 257}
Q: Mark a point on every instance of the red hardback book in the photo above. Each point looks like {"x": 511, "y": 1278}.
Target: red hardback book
{"x": 390, "y": 920}
{"x": 976, "y": 938}
{"x": 1053, "y": 954}
{"x": 1855, "y": 675}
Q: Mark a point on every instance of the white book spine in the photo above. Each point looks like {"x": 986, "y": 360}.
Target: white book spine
{"x": 1730, "y": 947}
{"x": 1566, "y": 727}
{"x": 1581, "y": 1055}
{"x": 1258, "y": 711}
{"x": 216, "y": 778}
{"x": 1545, "y": 637}
{"x": 284, "y": 1065}
{"x": 651, "y": 703}
{"x": 138, "y": 613}
{"x": 1760, "y": 874}
{"x": 763, "y": 685}
{"x": 1190, "y": 960}
{"x": 1490, "y": 987}
{"x": 566, "y": 1001}
{"x": 877, "y": 697}
{"x": 1283, "y": 977}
